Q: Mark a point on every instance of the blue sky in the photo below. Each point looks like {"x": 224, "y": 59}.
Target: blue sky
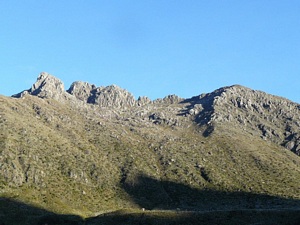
{"x": 153, "y": 47}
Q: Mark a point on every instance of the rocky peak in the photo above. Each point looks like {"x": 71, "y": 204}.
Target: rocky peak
{"x": 111, "y": 96}
{"x": 238, "y": 99}
{"x": 81, "y": 90}
{"x": 273, "y": 118}
{"x": 46, "y": 86}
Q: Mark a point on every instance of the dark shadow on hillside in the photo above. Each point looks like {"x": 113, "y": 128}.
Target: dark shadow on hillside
{"x": 169, "y": 203}
{"x": 152, "y": 194}
{"x": 173, "y": 203}
{"x": 237, "y": 217}
{"x": 14, "y": 212}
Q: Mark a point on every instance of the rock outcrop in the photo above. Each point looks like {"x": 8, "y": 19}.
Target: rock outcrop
{"x": 81, "y": 90}
{"x": 143, "y": 100}
{"x": 111, "y": 96}
{"x": 170, "y": 99}
{"x": 46, "y": 86}
{"x": 276, "y": 119}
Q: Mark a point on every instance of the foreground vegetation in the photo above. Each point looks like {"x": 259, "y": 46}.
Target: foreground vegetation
{"x": 28, "y": 215}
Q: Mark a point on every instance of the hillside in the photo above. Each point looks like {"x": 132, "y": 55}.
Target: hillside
{"x": 90, "y": 150}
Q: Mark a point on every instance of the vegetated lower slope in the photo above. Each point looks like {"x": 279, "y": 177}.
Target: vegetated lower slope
{"x": 98, "y": 150}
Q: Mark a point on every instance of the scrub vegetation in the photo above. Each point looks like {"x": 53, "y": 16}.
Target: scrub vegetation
{"x": 169, "y": 161}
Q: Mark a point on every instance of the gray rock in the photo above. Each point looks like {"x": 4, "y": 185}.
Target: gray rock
{"x": 46, "y": 86}
{"x": 170, "y": 99}
{"x": 81, "y": 90}
{"x": 111, "y": 96}
{"x": 274, "y": 118}
{"x": 143, "y": 100}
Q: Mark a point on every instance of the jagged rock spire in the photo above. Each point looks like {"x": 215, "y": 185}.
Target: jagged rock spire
{"x": 46, "y": 86}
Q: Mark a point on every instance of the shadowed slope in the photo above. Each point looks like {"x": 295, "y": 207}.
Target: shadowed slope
{"x": 14, "y": 212}
{"x": 173, "y": 203}
{"x": 17, "y": 213}
{"x": 152, "y": 194}
{"x": 234, "y": 217}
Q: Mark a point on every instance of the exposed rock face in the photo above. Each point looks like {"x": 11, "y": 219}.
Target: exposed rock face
{"x": 46, "y": 86}
{"x": 170, "y": 99}
{"x": 81, "y": 90}
{"x": 275, "y": 118}
{"x": 143, "y": 100}
{"x": 111, "y": 96}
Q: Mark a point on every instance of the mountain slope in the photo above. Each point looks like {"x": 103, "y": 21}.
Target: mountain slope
{"x": 89, "y": 150}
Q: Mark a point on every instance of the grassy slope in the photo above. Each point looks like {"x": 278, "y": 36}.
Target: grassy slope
{"x": 68, "y": 161}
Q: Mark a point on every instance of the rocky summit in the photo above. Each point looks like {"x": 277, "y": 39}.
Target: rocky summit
{"x": 87, "y": 151}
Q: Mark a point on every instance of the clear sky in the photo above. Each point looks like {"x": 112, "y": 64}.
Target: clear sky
{"x": 153, "y": 47}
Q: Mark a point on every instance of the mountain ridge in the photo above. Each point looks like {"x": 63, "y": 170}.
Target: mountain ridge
{"x": 207, "y": 108}
{"x": 89, "y": 150}
{"x": 51, "y": 83}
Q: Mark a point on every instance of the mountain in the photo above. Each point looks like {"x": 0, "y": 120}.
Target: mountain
{"x": 91, "y": 150}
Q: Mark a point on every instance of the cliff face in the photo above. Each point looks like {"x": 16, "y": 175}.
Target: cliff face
{"x": 61, "y": 149}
